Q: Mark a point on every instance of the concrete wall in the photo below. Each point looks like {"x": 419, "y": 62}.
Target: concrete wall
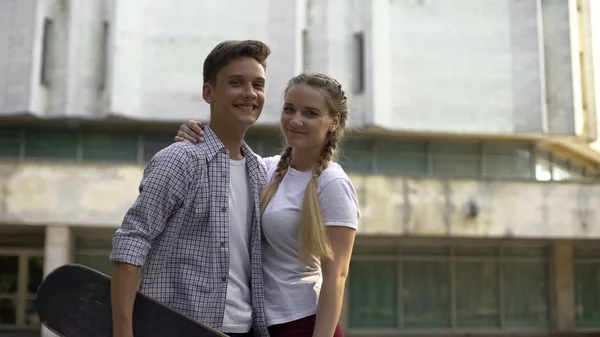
{"x": 158, "y": 52}
{"x": 18, "y": 26}
{"x": 498, "y": 67}
{"x": 99, "y": 195}
{"x": 147, "y": 65}
{"x": 493, "y": 67}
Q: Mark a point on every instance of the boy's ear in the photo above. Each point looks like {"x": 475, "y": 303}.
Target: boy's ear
{"x": 207, "y": 93}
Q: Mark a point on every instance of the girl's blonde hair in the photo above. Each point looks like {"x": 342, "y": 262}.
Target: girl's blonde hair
{"x": 314, "y": 241}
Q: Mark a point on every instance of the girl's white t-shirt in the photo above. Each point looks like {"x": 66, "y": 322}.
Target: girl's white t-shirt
{"x": 292, "y": 286}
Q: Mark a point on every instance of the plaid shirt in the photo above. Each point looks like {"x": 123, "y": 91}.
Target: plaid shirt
{"x": 178, "y": 230}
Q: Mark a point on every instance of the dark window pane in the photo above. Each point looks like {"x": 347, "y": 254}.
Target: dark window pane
{"x": 253, "y": 141}
{"x": 480, "y": 251}
{"x": 525, "y": 290}
{"x": 507, "y": 161}
{"x": 591, "y": 173}
{"x": 426, "y": 294}
{"x": 271, "y": 145}
{"x": 583, "y": 251}
{"x": 373, "y": 295}
{"x": 382, "y": 249}
{"x": 356, "y": 155}
{"x": 51, "y": 144}
{"x": 401, "y": 156}
{"x": 36, "y": 274}
{"x": 100, "y": 263}
{"x": 456, "y": 159}
{"x": 587, "y": 294}
{"x": 477, "y": 295}
{"x": 109, "y": 146}
{"x": 578, "y": 170}
{"x": 10, "y": 140}
{"x": 9, "y": 273}
{"x": 442, "y": 251}
{"x": 516, "y": 251}
{"x": 94, "y": 243}
{"x": 7, "y": 311}
{"x": 31, "y": 317}
{"x": 153, "y": 143}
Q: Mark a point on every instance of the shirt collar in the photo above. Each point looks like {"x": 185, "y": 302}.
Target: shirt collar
{"x": 214, "y": 145}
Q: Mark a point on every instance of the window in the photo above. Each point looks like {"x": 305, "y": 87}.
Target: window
{"x": 96, "y": 260}
{"x": 103, "y": 146}
{"x": 9, "y": 284}
{"x": 449, "y": 288}
{"x": 543, "y": 166}
{"x": 426, "y": 294}
{"x": 449, "y": 158}
{"x": 270, "y": 145}
{"x": 51, "y": 144}
{"x": 153, "y": 143}
{"x": 586, "y": 268}
{"x": 373, "y": 294}
{"x": 305, "y": 50}
{"x": 560, "y": 169}
{"x": 47, "y": 52}
{"x": 94, "y": 252}
{"x": 456, "y": 159}
{"x": 402, "y": 156}
{"x": 103, "y": 59}
{"x": 507, "y": 160}
{"x": 10, "y": 141}
{"x": 359, "y": 63}
{"x": 357, "y": 155}
{"x": 21, "y": 274}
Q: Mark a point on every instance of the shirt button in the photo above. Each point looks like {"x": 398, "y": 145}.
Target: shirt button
{"x": 224, "y": 175}
{"x": 224, "y": 279}
{"x": 224, "y": 150}
{"x": 223, "y": 209}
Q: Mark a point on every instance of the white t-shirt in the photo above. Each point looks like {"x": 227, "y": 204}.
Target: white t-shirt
{"x": 238, "y": 308}
{"x": 292, "y": 286}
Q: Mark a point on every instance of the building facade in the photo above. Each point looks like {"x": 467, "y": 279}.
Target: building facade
{"x": 472, "y": 150}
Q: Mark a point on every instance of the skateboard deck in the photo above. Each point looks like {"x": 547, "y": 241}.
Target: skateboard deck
{"x": 74, "y": 301}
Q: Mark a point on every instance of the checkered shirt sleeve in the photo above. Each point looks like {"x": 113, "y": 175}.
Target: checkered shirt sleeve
{"x": 164, "y": 185}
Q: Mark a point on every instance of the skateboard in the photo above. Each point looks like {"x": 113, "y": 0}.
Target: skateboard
{"x": 74, "y": 301}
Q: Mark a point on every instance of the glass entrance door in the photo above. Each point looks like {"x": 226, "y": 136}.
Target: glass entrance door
{"x": 21, "y": 273}
{"x": 9, "y": 284}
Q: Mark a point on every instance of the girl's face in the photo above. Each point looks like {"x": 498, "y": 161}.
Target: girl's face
{"x": 305, "y": 119}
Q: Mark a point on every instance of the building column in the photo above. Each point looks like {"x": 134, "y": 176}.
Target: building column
{"x": 564, "y": 308}
{"x": 57, "y": 252}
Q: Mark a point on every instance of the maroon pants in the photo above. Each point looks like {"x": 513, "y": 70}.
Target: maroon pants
{"x": 302, "y": 327}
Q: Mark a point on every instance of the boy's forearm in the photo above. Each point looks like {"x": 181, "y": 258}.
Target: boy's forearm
{"x": 124, "y": 285}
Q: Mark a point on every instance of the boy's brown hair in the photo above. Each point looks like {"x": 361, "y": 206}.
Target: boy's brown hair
{"x": 226, "y": 51}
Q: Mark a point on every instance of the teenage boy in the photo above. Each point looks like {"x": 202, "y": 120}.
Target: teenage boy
{"x": 191, "y": 239}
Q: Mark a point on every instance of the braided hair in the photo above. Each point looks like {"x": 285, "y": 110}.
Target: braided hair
{"x": 314, "y": 241}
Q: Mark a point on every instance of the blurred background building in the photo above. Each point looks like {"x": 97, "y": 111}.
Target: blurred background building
{"x": 473, "y": 146}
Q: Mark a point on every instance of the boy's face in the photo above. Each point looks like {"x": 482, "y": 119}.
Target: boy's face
{"x": 238, "y": 96}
